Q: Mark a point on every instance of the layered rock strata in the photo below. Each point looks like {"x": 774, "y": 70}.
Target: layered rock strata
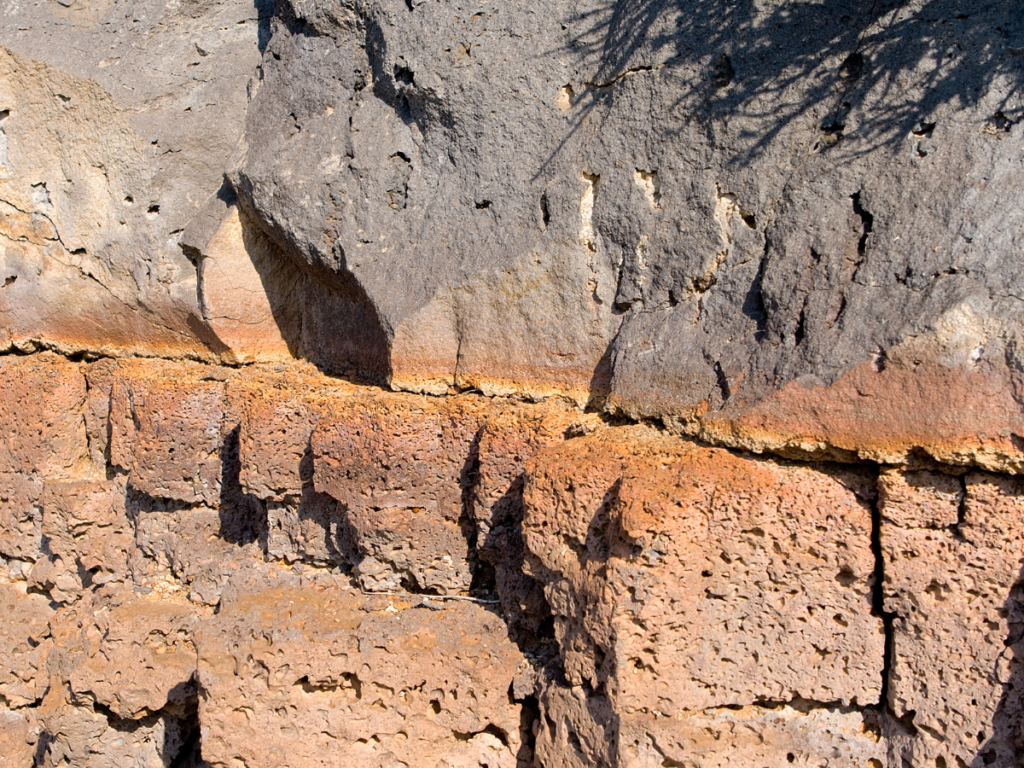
{"x": 583, "y": 383}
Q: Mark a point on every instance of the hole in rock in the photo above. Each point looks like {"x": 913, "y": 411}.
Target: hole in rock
{"x": 722, "y": 73}
{"x": 852, "y": 67}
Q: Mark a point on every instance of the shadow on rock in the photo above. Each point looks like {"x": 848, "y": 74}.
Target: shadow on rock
{"x": 769, "y": 68}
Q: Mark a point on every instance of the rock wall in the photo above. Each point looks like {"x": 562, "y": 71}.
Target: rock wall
{"x": 592, "y": 383}
{"x": 265, "y": 565}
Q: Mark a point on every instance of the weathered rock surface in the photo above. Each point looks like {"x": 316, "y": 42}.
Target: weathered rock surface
{"x": 118, "y": 121}
{"x": 401, "y": 466}
{"x": 659, "y": 557}
{"x": 685, "y": 579}
{"x": 581, "y": 729}
{"x": 332, "y": 677}
{"x": 22, "y": 660}
{"x": 952, "y": 552}
{"x": 788, "y": 228}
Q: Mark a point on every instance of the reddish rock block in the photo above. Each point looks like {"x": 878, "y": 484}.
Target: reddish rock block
{"x": 952, "y": 550}
{"x": 41, "y": 415}
{"x": 168, "y": 429}
{"x": 403, "y": 465}
{"x": 508, "y": 439}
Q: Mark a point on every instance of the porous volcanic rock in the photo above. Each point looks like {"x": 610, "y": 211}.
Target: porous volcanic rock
{"x": 952, "y": 553}
{"x": 332, "y": 677}
{"x": 660, "y": 362}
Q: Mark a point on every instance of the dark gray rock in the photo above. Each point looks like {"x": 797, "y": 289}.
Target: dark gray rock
{"x": 676, "y": 209}
{"x": 784, "y": 226}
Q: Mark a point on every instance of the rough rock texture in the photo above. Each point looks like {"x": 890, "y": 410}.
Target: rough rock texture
{"x": 952, "y": 549}
{"x": 321, "y": 677}
{"x": 581, "y": 730}
{"x": 118, "y": 120}
{"x": 683, "y": 579}
{"x": 22, "y": 675}
{"x": 659, "y": 361}
{"x": 401, "y": 466}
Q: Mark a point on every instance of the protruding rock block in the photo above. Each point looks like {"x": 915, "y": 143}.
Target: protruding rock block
{"x": 684, "y": 577}
{"x": 250, "y": 293}
{"x": 21, "y": 516}
{"x": 278, "y": 411}
{"x": 508, "y": 439}
{"x": 75, "y": 733}
{"x": 167, "y": 430}
{"x": 18, "y": 737}
{"x": 145, "y": 660}
{"x": 23, "y": 632}
{"x": 952, "y": 550}
{"x": 41, "y": 415}
{"x": 403, "y": 466}
{"x": 86, "y": 526}
{"x": 294, "y": 676}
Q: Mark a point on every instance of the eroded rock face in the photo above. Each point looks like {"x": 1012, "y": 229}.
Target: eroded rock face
{"x": 685, "y": 579}
{"x": 954, "y": 541}
{"x": 610, "y": 595}
{"x": 118, "y": 121}
{"x": 310, "y": 677}
{"x": 578, "y": 237}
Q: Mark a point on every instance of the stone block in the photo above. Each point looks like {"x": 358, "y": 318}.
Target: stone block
{"x": 683, "y": 577}
{"x": 292, "y": 676}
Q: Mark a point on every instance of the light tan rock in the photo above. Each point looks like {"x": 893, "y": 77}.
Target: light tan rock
{"x": 21, "y": 516}
{"x": 206, "y": 552}
{"x": 18, "y": 738}
{"x": 331, "y": 677}
{"x": 581, "y": 731}
{"x": 952, "y": 552}
{"x": 75, "y": 735}
{"x": 145, "y": 660}
{"x": 311, "y": 528}
{"x": 23, "y": 635}
{"x": 250, "y": 293}
{"x": 85, "y": 524}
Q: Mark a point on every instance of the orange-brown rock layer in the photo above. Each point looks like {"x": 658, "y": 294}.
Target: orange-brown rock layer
{"x": 187, "y": 551}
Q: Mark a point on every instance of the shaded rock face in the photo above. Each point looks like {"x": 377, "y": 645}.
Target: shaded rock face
{"x": 507, "y": 384}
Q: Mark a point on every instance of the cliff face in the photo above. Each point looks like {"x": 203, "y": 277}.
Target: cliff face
{"x": 589, "y": 383}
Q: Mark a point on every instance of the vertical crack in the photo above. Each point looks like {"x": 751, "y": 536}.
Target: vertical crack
{"x": 878, "y": 605}
{"x": 956, "y": 529}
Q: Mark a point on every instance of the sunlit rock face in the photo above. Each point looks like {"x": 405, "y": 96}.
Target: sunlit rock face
{"x": 596, "y": 383}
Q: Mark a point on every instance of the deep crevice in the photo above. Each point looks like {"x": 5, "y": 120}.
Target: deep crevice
{"x": 878, "y": 604}
{"x": 867, "y": 224}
